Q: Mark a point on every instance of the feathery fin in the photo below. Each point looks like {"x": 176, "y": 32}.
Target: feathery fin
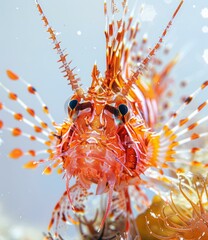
{"x": 71, "y": 77}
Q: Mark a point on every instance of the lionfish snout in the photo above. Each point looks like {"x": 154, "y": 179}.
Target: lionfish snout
{"x": 93, "y": 163}
{"x": 92, "y": 140}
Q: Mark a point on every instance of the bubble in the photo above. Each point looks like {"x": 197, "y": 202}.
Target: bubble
{"x": 205, "y": 29}
{"x": 79, "y": 33}
{"x": 204, "y": 12}
{"x": 168, "y": 1}
{"x": 148, "y": 13}
{"x": 17, "y": 232}
{"x": 205, "y": 55}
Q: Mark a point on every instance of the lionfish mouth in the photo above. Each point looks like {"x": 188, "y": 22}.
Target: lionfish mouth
{"x": 92, "y": 163}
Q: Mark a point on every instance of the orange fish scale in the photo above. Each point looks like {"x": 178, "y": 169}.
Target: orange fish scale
{"x": 194, "y": 136}
{"x": 180, "y": 170}
{"x": 59, "y": 171}
{"x": 183, "y": 121}
{"x": 200, "y": 107}
{"x": 31, "y": 89}
{"x": 48, "y": 143}
{"x": 16, "y": 132}
{"x": 12, "y": 75}
{"x": 32, "y": 153}
{"x": 195, "y": 149}
{"x": 205, "y": 84}
{"x": 16, "y": 153}
{"x": 18, "y": 116}
{"x": 47, "y": 171}
{"x": 196, "y": 163}
{"x": 30, "y": 165}
{"x": 33, "y": 138}
{"x": 12, "y": 96}
{"x": 45, "y": 109}
{"x": 192, "y": 126}
{"x": 44, "y": 125}
{"x": 1, "y": 124}
{"x": 31, "y": 111}
{"x": 38, "y": 129}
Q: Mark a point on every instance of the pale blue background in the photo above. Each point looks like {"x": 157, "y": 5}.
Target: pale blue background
{"x": 28, "y": 196}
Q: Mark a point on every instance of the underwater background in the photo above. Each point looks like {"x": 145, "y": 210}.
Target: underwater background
{"x": 28, "y": 197}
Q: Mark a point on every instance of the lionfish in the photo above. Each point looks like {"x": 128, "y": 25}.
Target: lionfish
{"x": 112, "y": 136}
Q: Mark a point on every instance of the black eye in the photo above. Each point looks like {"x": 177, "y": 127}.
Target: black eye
{"x": 73, "y": 103}
{"x": 123, "y": 109}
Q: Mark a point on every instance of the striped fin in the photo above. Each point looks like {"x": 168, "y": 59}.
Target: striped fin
{"x": 124, "y": 53}
{"x": 120, "y": 38}
{"x": 48, "y": 236}
{"x": 148, "y": 58}
{"x": 71, "y": 77}
{"x": 66, "y": 211}
{"x": 178, "y": 147}
{"x": 14, "y": 77}
{"x": 40, "y": 133}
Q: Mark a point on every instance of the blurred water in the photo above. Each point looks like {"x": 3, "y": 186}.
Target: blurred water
{"x": 28, "y": 196}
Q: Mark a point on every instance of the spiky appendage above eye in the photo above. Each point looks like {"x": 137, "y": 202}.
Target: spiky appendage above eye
{"x": 69, "y": 74}
{"x": 185, "y": 216}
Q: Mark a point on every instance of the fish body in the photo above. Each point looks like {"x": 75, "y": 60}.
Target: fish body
{"x": 111, "y": 137}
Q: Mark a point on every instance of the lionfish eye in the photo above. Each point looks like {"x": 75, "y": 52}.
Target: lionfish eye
{"x": 73, "y": 103}
{"x": 123, "y": 109}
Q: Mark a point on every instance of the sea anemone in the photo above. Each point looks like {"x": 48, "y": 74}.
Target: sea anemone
{"x": 152, "y": 217}
{"x": 185, "y": 216}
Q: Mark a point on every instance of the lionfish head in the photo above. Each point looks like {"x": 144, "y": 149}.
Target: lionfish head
{"x": 97, "y": 143}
